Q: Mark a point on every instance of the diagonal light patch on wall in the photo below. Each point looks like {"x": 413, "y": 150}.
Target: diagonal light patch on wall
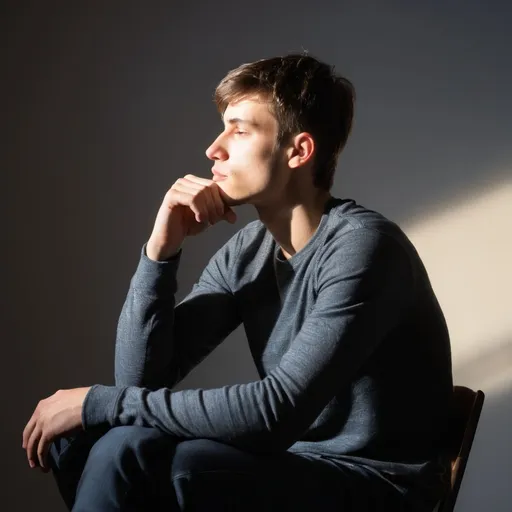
{"x": 467, "y": 249}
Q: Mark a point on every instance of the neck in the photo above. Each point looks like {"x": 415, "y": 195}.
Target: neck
{"x": 293, "y": 221}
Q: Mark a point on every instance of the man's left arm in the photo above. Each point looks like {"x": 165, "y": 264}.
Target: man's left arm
{"x": 365, "y": 285}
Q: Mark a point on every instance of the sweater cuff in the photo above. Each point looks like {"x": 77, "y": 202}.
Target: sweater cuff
{"x": 156, "y": 278}
{"x": 99, "y": 406}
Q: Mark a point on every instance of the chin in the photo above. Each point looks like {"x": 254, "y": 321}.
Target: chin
{"x": 235, "y": 195}
{"x": 231, "y": 196}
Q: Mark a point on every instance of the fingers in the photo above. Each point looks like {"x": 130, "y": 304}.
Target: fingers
{"x": 206, "y": 188}
{"x": 33, "y": 447}
{"x": 198, "y": 180}
{"x": 27, "y": 431}
{"x": 43, "y": 447}
{"x": 36, "y": 447}
{"x": 225, "y": 212}
{"x": 211, "y": 207}
{"x": 215, "y": 204}
{"x": 184, "y": 196}
{"x": 223, "y": 209}
{"x": 203, "y": 198}
{"x": 29, "y": 437}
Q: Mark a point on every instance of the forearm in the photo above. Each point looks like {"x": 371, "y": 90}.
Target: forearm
{"x": 159, "y": 342}
{"x": 254, "y": 416}
{"x": 144, "y": 343}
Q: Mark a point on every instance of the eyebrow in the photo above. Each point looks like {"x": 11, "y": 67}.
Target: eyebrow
{"x": 238, "y": 120}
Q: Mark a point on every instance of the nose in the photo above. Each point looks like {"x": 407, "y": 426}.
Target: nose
{"x": 216, "y": 151}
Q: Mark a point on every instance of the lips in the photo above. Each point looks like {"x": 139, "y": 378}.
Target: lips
{"x": 218, "y": 176}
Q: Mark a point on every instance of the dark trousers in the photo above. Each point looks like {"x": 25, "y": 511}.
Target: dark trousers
{"x": 142, "y": 469}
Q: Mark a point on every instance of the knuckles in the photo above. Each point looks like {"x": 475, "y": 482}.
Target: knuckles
{"x": 183, "y": 182}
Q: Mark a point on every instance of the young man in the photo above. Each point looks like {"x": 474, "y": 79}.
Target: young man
{"x": 348, "y": 338}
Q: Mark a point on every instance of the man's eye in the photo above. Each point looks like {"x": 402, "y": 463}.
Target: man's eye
{"x": 239, "y": 132}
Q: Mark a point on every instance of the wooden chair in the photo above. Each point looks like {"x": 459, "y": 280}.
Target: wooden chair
{"x": 467, "y": 406}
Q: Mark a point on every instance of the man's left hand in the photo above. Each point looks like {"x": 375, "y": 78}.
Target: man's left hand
{"x": 53, "y": 417}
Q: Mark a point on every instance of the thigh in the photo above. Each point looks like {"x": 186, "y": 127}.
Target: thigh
{"x": 208, "y": 475}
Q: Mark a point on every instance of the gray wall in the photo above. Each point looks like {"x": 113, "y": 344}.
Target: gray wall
{"x": 106, "y": 104}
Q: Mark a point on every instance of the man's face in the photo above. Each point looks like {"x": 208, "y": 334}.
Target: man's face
{"x": 248, "y": 167}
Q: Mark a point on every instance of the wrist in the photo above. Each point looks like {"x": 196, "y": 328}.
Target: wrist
{"x": 161, "y": 252}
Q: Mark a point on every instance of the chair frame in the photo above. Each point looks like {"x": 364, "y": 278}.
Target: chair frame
{"x": 465, "y": 425}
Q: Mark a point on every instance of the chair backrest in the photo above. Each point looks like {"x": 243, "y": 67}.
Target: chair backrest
{"x": 467, "y": 406}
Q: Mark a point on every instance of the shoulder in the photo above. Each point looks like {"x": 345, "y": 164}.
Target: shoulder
{"x": 351, "y": 224}
{"x": 358, "y": 237}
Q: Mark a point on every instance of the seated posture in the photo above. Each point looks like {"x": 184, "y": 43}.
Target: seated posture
{"x": 349, "y": 341}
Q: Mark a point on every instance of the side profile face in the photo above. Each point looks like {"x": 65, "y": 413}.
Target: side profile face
{"x": 248, "y": 165}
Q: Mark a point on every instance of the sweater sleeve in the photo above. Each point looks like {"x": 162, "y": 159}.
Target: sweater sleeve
{"x": 364, "y": 284}
{"x": 158, "y": 342}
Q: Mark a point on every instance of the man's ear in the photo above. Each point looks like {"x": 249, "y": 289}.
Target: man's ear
{"x": 301, "y": 150}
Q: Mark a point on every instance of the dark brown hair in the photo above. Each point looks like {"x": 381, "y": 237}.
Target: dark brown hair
{"x": 305, "y": 95}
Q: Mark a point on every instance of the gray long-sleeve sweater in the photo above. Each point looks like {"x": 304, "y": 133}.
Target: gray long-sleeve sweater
{"x": 348, "y": 338}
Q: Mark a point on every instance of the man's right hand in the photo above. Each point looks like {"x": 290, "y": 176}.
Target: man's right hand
{"x": 189, "y": 207}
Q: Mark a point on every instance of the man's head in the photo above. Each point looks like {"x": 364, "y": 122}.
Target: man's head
{"x": 301, "y": 115}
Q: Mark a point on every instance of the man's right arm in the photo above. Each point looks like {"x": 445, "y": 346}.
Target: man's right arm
{"x": 158, "y": 343}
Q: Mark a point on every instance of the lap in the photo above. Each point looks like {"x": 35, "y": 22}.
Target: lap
{"x": 214, "y": 475}
{"x": 227, "y": 476}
